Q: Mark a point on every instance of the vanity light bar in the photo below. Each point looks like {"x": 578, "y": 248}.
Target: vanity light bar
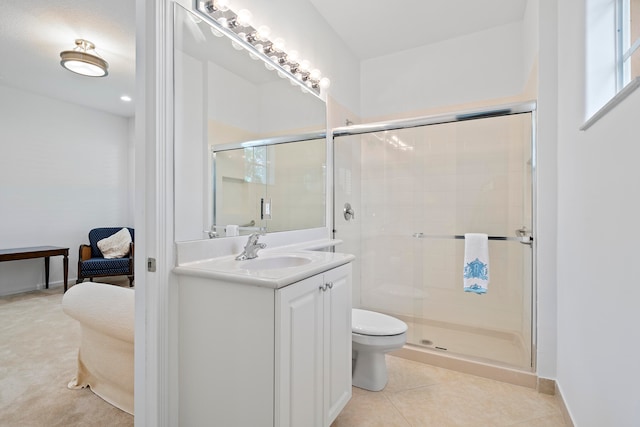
{"x": 256, "y": 41}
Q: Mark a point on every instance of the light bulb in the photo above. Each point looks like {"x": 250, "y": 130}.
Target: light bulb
{"x": 236, "y": 46}
{"x": 293, "y": 56}
{"x": 278, "y": 44}
{"x": 305, "y": 65}
{"x": 221, "y": 5}
{"x": 269, "y": 66}
{"x": 315, "y": 74}
{"x": 263, "y": 32}
{"x": 223, "y": 22}
{"x": 253, "y": 56}
{"x": 324, "y": 83}
{"x": 244, "y": 18}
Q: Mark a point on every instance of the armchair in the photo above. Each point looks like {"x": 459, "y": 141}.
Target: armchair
{"x": 105, "y": 358}
{"x": 91, "y": 262}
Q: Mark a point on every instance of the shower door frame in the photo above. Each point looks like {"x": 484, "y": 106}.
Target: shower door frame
{"x": 436, "y": 119}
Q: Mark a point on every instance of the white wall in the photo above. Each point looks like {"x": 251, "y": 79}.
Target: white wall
{"x": 530, "y": 35}
{"x": 598, "y": 207}
{"x": 476, "y": 67}
{"x": 64, "y": 169}
{"x": 546, "y": 197}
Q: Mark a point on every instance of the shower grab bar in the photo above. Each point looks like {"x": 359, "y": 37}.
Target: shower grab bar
{"x": 523, "y": 239}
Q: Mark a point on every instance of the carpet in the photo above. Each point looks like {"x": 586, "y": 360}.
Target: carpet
{"x": 38, "y": 353}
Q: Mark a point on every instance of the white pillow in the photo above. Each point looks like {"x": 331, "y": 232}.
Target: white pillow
{"x": 116, "y": 245}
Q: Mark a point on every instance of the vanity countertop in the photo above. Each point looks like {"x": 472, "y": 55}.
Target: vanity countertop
{"x": 274, "y": 268}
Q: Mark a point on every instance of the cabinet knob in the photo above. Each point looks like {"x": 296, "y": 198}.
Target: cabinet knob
{"x": 330, "y": 285}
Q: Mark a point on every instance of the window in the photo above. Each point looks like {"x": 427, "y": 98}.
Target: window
{"x": 628, "y": 42}
{"x": 255, "y": 165}
{"x": 612, "y": 63}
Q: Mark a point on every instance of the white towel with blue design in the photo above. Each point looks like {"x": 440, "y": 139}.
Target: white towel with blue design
{"x": 476, "y": 263}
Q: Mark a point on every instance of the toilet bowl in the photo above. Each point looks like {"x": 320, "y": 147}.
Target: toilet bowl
{"x": 373, "y": 335}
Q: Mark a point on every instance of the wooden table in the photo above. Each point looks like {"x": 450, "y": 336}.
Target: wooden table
{"x": 45, "y": 252}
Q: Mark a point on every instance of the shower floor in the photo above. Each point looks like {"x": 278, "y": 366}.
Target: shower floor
{"x": 486, "y": 345}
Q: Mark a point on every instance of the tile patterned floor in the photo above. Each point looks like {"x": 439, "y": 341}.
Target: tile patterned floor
{"x": 420, "y": 395}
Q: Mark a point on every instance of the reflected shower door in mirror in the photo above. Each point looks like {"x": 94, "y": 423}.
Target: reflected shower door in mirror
{"x": 223, "y": 97}
{"x": 280, "y": 187}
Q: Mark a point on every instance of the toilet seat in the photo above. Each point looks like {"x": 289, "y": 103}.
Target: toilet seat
{"x": 366, "y": 322}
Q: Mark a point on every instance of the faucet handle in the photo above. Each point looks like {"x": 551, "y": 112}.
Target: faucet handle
{"x": 253, "y": 240}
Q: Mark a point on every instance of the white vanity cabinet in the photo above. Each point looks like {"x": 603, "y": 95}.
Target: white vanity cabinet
{"x": 258, "y": 356}
{"x": 313, "y": 349}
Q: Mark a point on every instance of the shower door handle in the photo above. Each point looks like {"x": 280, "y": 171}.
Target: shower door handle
{"x": 525, "y": 236}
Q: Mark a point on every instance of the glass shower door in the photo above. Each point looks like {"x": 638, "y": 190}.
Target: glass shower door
{"x": 415, "y": 193}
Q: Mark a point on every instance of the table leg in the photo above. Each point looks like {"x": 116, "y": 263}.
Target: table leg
{"x": 65, "y": 263}
{"x": 46, "y": 272}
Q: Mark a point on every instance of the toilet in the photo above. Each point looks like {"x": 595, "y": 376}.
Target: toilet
{"x": 373, "y": 335}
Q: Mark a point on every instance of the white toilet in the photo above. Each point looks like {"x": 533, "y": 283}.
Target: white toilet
{"x": 373, "y": 335}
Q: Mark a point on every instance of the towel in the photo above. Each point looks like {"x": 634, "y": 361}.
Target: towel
{"x": 476, "y": 263}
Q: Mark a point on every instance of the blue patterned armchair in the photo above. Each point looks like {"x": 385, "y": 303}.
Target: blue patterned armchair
{"x": 91, "y": 262}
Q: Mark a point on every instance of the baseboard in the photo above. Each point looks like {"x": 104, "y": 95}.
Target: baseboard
{"x": 546, "y": 386}
{"x": 563, "y": 408}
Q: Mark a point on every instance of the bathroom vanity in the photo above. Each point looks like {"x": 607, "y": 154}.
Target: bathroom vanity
{"x": 265, "y": 342}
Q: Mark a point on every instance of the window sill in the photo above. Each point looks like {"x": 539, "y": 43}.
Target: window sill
{"x": 626, "y": 91}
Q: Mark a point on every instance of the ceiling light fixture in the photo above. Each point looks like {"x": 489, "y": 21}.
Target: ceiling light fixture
{"x": 84, "y": 60}
{"x": 244, "y": 34}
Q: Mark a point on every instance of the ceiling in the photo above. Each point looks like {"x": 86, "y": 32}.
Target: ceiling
{"x": 376, "y": 28}
{"x": 33, "y": 33}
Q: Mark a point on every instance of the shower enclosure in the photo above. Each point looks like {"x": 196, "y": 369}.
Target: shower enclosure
{"x": 406, "y": 192}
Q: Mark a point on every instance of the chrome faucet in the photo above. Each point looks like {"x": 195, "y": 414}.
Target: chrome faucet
{"x": 251, "y": 248}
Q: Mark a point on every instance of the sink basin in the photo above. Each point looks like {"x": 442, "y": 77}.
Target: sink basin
{"x": 275, "y": 269}
{"x": 285, "y": 261}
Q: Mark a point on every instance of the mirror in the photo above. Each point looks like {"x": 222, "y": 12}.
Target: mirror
{"x": 258, "y": 127}
{"x": 279, "y": 186}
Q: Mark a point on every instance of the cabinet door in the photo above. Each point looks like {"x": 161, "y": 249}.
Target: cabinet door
{"x": 299, "y": 354}
{"x": 337, "y": 341}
